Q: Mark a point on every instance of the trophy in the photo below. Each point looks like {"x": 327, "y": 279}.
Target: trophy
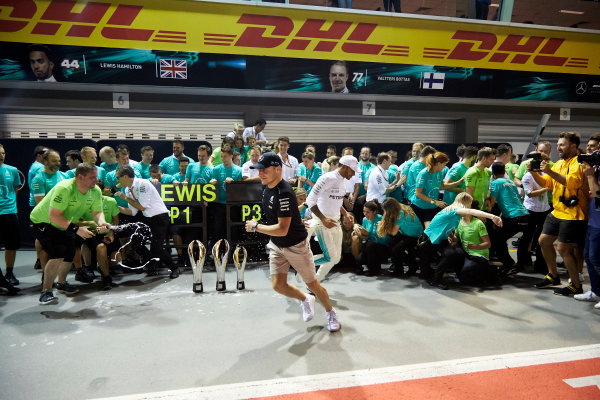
{"x": 197, "y": 254}
{"x": 220, "y": 262}
{"x": 239, "y": 259}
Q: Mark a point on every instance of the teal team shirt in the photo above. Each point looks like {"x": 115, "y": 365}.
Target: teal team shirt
{"x": 44, "y": 182}
{"x": 220, "y": 173}
{"x": 311, "y": 174}
{"x": 397, "y": 194}
{"x": 371, "y": 227}
{"x": 9, "y": 178}
{"x": 408, "y": 226}
{"x": 411, "y": 181}
{"x": 101, "y": 173}
{"x": 430, "y": 183}
{"x": 166, "y": 178}
{"x": 406, "y": 166}
{"x": 507, "y": 198}
{"x": 198, "y": 173}
{"x": 142, "y": 169}
{"x": 109, "y": 167}
{"x": 35, "y": 168}
{"x": 365, "y": 171}
{"x": 179, "y": 177}
{"x": 442, "y": 225}
{"x": 170, "y": 165}
{"x": 457, "y": 171}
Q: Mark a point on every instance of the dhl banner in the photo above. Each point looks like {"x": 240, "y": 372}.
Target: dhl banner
{"x": 287, "y": 32}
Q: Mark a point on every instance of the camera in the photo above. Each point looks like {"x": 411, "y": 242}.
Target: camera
{"x": 570, "y": 201}
{"x": 536, "y": 160}
{"x": 591, "y": 159}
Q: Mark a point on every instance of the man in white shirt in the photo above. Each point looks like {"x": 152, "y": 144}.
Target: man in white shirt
{"x": 325, "y": 202}
{"x": 238, "y": 130}
{"x": 141, "y": 195}
{"x": 290, "y": 166}
{"x": 251, "y": 174}
{"x": 256, "y": 131}
{"x": 379, "y": 181}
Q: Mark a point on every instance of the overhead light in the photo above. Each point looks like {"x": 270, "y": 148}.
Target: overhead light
{"x": 571, "y": 12}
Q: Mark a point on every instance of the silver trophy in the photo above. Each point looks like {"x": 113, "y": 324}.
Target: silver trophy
{"x": 220, "y": 262}
{"x": 239, "y": 259}
{"x": 197, "y": 254}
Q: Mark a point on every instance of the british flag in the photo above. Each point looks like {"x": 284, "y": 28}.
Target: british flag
{"x": 173, "y": 69}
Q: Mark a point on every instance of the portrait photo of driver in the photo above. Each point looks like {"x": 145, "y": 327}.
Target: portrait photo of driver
{"x": 40, "y": 60}
{"x": 338, "y": 76}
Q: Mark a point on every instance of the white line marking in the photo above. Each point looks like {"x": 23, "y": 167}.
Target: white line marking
{"x": 309, "y": 383}
{"x": 584, "y": 381}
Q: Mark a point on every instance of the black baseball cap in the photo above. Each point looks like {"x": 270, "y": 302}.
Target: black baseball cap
{"x": 268, "y": 159}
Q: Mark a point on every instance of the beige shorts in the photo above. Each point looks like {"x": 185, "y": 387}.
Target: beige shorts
{"x": 299, "y": 256}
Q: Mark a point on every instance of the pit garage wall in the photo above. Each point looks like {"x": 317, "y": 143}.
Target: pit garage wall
{"x": 30, "y": 109}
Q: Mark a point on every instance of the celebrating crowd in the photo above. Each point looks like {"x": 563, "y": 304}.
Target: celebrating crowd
{"x": 425, "y": 216}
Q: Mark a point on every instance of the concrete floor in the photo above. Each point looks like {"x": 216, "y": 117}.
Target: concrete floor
{"x": 154, "y": 334}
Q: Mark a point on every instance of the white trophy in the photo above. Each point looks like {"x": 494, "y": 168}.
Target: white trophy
{"x": 220, "y": 262}
{"x": 239, "y": 259}
{"x": 197, "y": 254}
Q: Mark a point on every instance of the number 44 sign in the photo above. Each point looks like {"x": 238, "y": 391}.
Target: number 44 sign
{"x": 368, "y": 108}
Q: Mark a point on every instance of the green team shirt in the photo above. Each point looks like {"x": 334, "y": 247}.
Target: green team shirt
{"x": 480, "y": 180}
{"x": 442, "y": 225}
{"x": 408, "y": 226}
{"x": 411, "y": 181}
{"x": 109, "y": 209}
{"x": 371, "y": 227}
{"x": 457, "y": 171}
{"x": 509, "y": 170}
{"x": 365, "y": 170}
{"x": 66, "y": 197}
{"x": 198, "y": 173}
{"x": 472, "y": 233}
{"x": 216, "y": 155}
{"x": 507, "y": 197}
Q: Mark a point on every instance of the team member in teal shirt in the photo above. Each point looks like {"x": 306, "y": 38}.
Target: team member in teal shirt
{"x": 374, "y": 249}
{"x": 515, "y": 218}
{"x": 157, "y": 176}
{"x": 10, "y": 184}
{"x": 183, "y": 166}
{"x": 403, "y": 227}
{"x": 46, "y": 179}
{"x": 170, "y": 165}
{"x": 35, "y": 167}
{"x": 456, "y": 173}
{"x": 415, "y": 169}
{"x": 435, "y": 237}
{"x": 222, "y": 174}
{"x": 143, "y": 167}
{"x": 200, "y": 172}
{"x": 309, "y": 172}
{"x": 365, "y": 167}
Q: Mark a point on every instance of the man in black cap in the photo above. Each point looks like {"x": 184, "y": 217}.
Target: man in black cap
{"x": 289, "y": 240}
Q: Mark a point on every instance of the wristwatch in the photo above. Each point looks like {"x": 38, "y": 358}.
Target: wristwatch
{"x": 254, "y": 226}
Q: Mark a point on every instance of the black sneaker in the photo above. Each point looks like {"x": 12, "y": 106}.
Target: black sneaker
{"x": 568, "y": 290}
{"x": 174, "y": 272}
{"x": 48, "y": 298}
{"x": 90, "y": 271}
{"x": 107, "y": 283}
{"x": 11, "y": 278}
{"x": 438, "y": 284}
{"x": 11, "y": 290}
{"x": 66, "y": 288}
{"x": 82, "y": 276}
{"x": 548, "y": 281}
{"x": 37, "y": 265}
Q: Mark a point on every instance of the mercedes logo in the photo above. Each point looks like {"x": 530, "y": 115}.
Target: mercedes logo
{"x": 581, "y": 87}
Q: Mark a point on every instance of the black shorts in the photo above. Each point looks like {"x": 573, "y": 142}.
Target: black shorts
{"x": 57, "y": 243}
{"x": 97, "y": 240}
{"x": 425, "y": 214}
{"x": 568, "y": 231}
{"x": 9, "y": 231}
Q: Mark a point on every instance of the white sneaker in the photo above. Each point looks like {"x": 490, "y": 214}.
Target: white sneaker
{"x": 308, "y": 307}
{"x": 587, "y": 296}
{"x": 597, "y": 306}
{"x": 333, "y": 325}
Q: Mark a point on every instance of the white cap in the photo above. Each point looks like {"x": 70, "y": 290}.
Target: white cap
{"x": 351, "y": 162}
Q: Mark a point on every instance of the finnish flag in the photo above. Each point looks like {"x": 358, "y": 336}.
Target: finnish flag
{"x": 433, "y": 80}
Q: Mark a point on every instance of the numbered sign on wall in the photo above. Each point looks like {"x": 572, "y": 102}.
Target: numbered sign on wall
{"x": 120, "y": 100}
{"x": 368, "y": 108}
